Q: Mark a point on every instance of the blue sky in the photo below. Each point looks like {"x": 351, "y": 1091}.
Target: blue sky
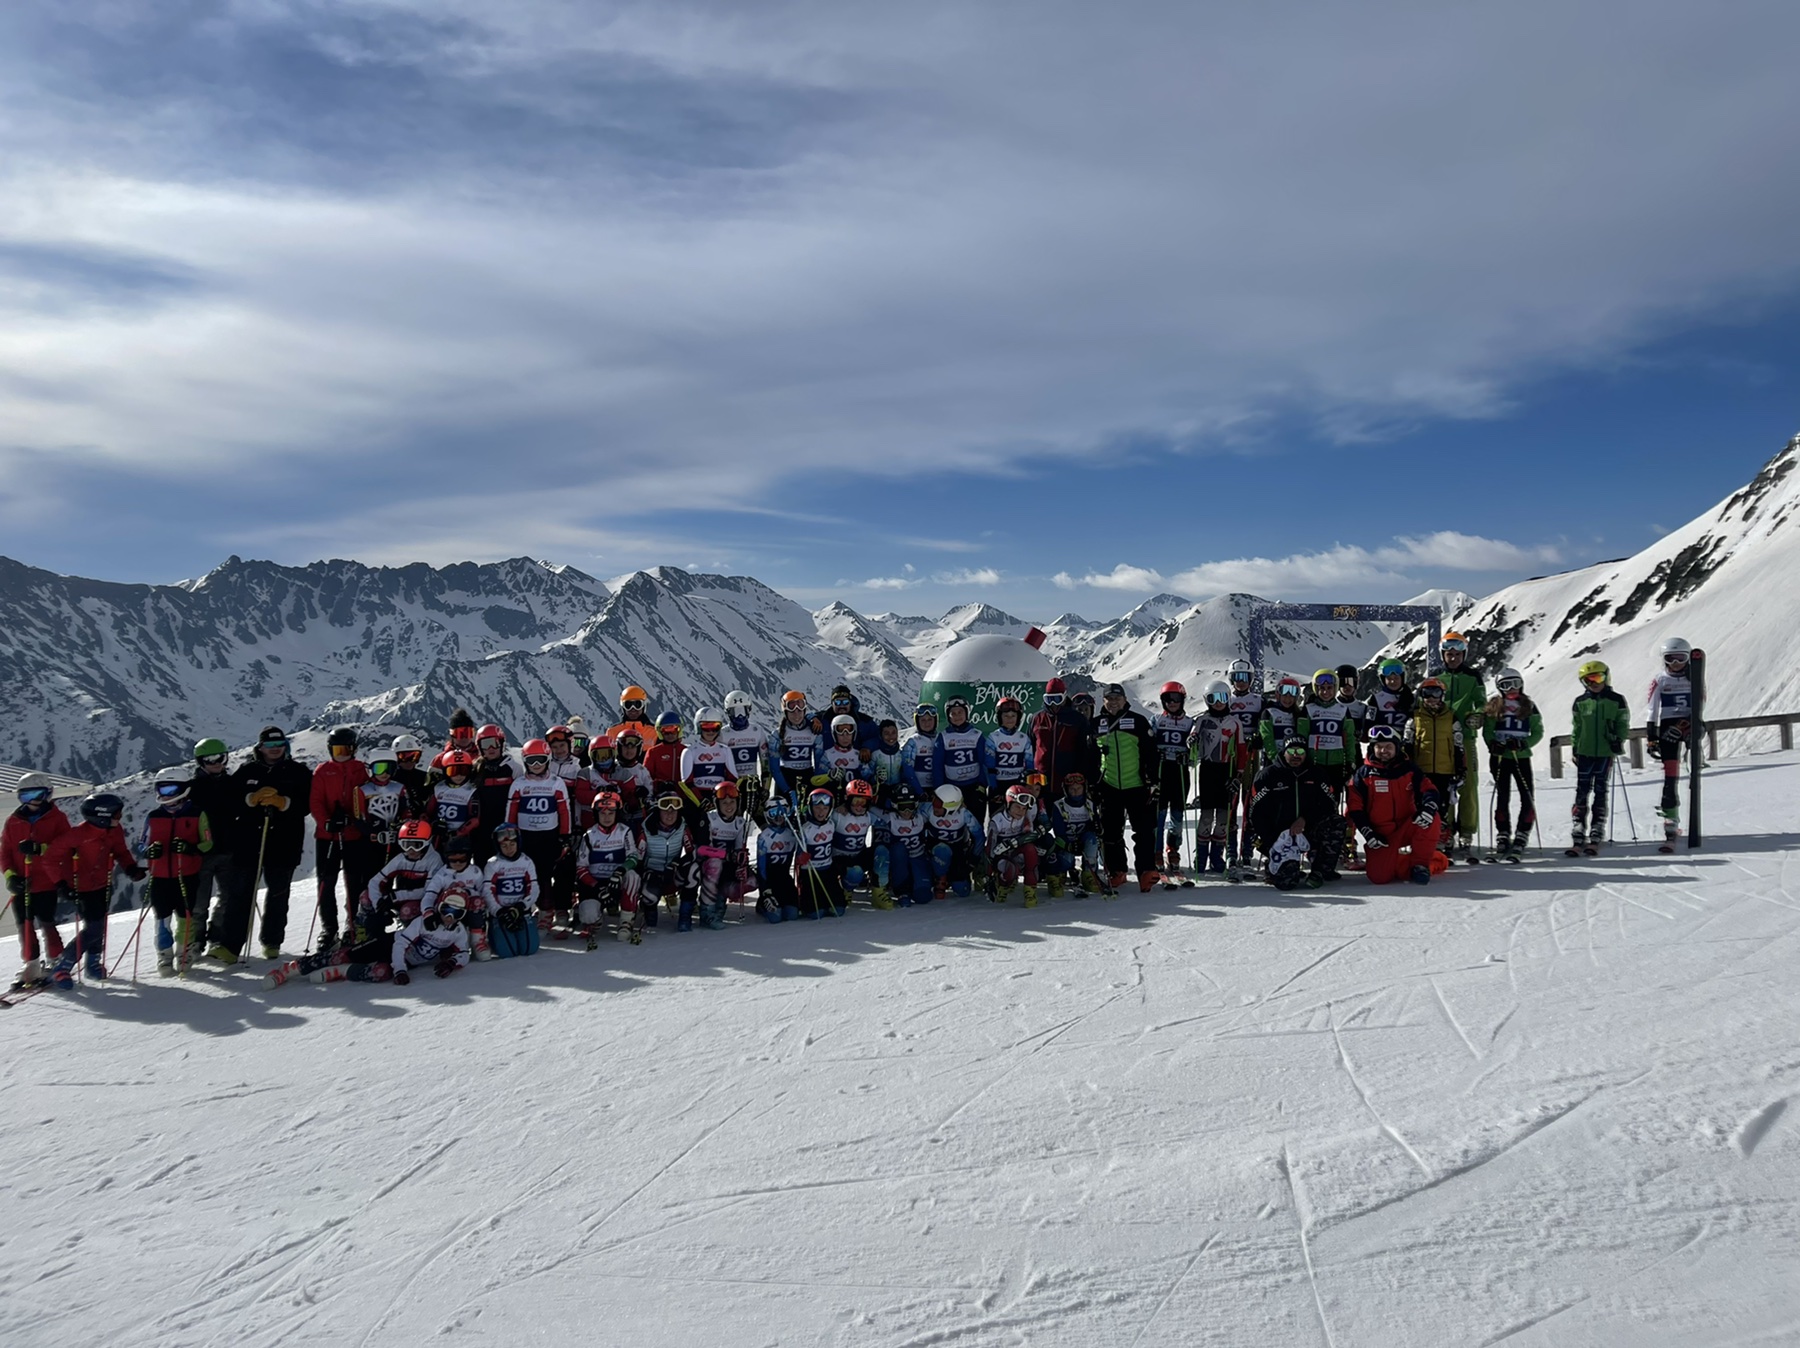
{"x": 1052, "y": 305}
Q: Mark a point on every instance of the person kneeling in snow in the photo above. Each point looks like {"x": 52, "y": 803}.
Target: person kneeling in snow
{"x": 1290, "y": 857}
{"x": 438, "y": 940}
{"x": 1394, "y": 806}
{"x": 511, "y": 881}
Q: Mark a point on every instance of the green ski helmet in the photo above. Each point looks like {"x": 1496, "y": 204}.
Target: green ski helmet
{"x": 210, "y": 748}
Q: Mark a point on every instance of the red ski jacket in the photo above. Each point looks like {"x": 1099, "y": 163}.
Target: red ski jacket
{"x": 24, "y": 841}
{"x": 1384, "y": 796}
{"x": 84, "y": 857}
{"x": 334, "y": 792}
{"x": 185, "y": 824}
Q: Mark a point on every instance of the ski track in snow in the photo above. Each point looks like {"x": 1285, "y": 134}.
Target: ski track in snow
{"x": 1529, "y": 1106}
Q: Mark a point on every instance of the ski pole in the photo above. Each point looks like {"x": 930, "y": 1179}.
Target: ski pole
{"x": 255, "y": 879}
{"x": 1625, "y": 791}
{"x": 132, "y": 943}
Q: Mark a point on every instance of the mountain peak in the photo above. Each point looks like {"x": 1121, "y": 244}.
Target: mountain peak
{"x": 977, "y": 615}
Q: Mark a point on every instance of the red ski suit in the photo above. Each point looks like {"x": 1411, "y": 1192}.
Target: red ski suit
{"x": 1387, "y": 797}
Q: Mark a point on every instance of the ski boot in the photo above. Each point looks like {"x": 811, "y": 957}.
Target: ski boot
{"x": 1515, "y": 853}
{"x": 223, "y": 953}
{"x": 478, "y": 945}
{"x": 1215, "y": 859}
{"x": 1148, "y": 881}
{"x": 1056, "y": 886}
{"x": 1420, "y": 875}
{"x": 62, "y": 973}
{"x": 30, "y": 976}
{"x": 281, "y": 973}
{"x": 1671, "y": 817}
{"x": 1577, "y": 843}
{"x": 879, "y": 897}
{"x": 95, "y": 968}
{"x": 331, "y": 973}
{"x": 1596, "y": 839}
{"x": 271, "y": 952}
{"x": 1114, "y": 879}
{"x": 1466, "y": 850}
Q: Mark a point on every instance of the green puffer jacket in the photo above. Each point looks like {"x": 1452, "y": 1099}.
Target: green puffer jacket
{"x": 1599, "y": 724}
{"x": 1126, "y": 748}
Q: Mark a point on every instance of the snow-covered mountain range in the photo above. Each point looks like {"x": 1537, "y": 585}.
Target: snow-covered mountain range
{"x": 1726, "y": 582}
{"x": 102, "y": 680}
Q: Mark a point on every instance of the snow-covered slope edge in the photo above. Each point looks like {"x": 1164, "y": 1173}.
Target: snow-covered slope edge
{"x": 1726, "y": 581}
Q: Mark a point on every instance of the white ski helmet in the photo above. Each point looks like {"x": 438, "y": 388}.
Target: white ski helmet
{"x": 406, "y": 744}
{"x": 1240, "y": 670}
{"x": 949, "y": 799}
{"x": 843, "y": 722}
{"x": 1217, "y": 691}
{"x": 709, "y": 716}
{"x": 35, "y": 781}
{"x": 738, "y": 703}
{"x": 1676, "y": 646}
{"x": 172, "y": 785}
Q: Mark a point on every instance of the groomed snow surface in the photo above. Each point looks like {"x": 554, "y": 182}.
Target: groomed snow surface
{"x": 1556, "y": 1104}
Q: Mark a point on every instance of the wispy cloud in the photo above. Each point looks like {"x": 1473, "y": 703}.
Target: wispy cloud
{"x": 1347, "y": 568}
{"x": 985, "y": 575}
{"x": 1124, "y": 576}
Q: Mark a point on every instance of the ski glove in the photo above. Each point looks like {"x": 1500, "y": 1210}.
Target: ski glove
{"x": 1652, "y": 743}
{"x": 338, "y": 823}
{"x": 154, "y": 851}
{"x": 1423, "y": 819}
{"x": 1371, "y": 839}
{"x": 511, "y": 917}
{"x": 1617, "y": 747}
{"x": 17, "y": 884}
{"x": 401, "y": 977}
{"x": 446, "y": 966}
{"x": 31, "y": 848}
{"x": 182, "y": 847}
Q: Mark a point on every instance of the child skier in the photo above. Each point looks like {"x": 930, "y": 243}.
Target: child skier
{"x": 777, "y": 846}
{"x": 437, "y": 940}
{"x": 606, "y": 874}
{"x": 1290, "y": 857}
{"x": 82, "y": 860}
{"x": 30, "y": 887}
{"x": 668, "y": 865}
{"x": 1391, "y": 704}
{"x": 1170, "y": 730}
{"x": 460, "y": 877}
{"x": 853, "y": 838}
{"x": 176, "y": 835}
{"x": 919, "y": 755}
{"x": 724, "y": 856}
{"x": 1076, "y": 824}
{"x": 815, "y": 878}
{"x": 957, "y": 850}
{"x": 1511, "y": 727}
{"x": 1012, "y": 848}
{"x": 1467, "y": 696}
{"x": 510, "y": 884}
{"x": 454, "y": 808}
{"x": 1599, "y": 723}
{"x": 1008, "y": 747}
{"x": 962, "y": 759}
{"x": 1217, "y": 755}
{"x": 539, "y": 805}
{"x": 907, "y": 866}
{"x": 1670, "y": 723}
{"x": 793, "y": 747}
{"x": 1434, "y": 740}
{"x": 749, "y": 744}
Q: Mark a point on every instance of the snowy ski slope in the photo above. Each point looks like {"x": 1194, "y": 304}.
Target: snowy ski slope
{"x": 1548, "y": 1105}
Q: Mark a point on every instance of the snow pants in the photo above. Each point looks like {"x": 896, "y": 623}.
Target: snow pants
{"x": 1019, "y": 864}
{"x": 1468, "y": 795}
{"x": 1670, "y": 737}
{"x": 512, "y": 932}
{"x": 776, "y": 899}
{"x": 907, "y": 877}
{"x": 819, "y": 892}
{"x": 1386, "y": 865}
{"x": 332, "y": 857}
{"x": 1171, "y": 802}
{"x": 36, "y": 913}
{"x": 546, "y": 850}
{"x": 1506, "y": 772}
{"x": 1593, "y": 779}
{"x": 1120, "y": 805}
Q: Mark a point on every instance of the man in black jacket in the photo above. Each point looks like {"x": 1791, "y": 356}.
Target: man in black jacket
{"x": 275, "y": 793}
{"x": 222, "y": 803}
{"x": 1290, "y": 789}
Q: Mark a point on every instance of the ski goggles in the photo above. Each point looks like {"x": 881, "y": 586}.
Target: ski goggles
{"x": 1288, "y": 690}
{"x": 1383, "y": 734}
{"x": 536, "y": 762}
{"x": 164, "y": 790}
{"x": 631, "y": 704}
{"x": 1510, "y": 685}
{"x": 1053, "y": 699}
{"x": 669, "y": 802}
{"x": 37, "y": 795}
{"x": 1676, "y": 661}
{"x": 1457, "y": 644}
{"x": 840, "y": 704}
{"x": 273, "y": 743}
{"x": 211, "y": 760}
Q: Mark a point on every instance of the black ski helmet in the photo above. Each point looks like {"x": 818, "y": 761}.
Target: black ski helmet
{"x": 343, "y": 735}
{"x": 102, "y": 809}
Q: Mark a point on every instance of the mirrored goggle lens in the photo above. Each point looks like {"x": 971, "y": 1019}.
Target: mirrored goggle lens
{"x": 535, "y": 761}
{"x": 1053, "y": 699}
{"x": 410, "y": 757}
{"x": 633, "y": 704}
{"x": 212, "y": 760}
{"x": 414, "y": 845}
{"x": 1676, "y": 659}
{"x": 1382, "y": 732}
{"x": 37, "y": 795}
{"x": 1510, "y": 685}
{"x": 168, "y": 789}
{"x": 1454, "y": 646}
{"x": 274, "y": 744}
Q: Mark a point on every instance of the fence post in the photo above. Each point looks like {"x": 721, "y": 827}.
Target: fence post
{"x": 1787, "y": 734}
{"x": 1556, "y": 756}
{"x": 1712, "y": 745}
{"x": 1637, "y": 751}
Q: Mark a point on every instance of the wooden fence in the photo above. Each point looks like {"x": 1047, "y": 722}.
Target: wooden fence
{"x": 1635, "y": 743}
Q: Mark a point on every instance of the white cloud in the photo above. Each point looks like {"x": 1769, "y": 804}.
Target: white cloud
{"x": 985, "y": 575}
{"x": 888, "y": 583}
{"x": 1124, "y": 576}
{"x": 1349, "y": 569}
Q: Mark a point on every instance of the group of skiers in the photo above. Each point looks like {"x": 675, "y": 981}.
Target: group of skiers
{"x": 479, "y": 852}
